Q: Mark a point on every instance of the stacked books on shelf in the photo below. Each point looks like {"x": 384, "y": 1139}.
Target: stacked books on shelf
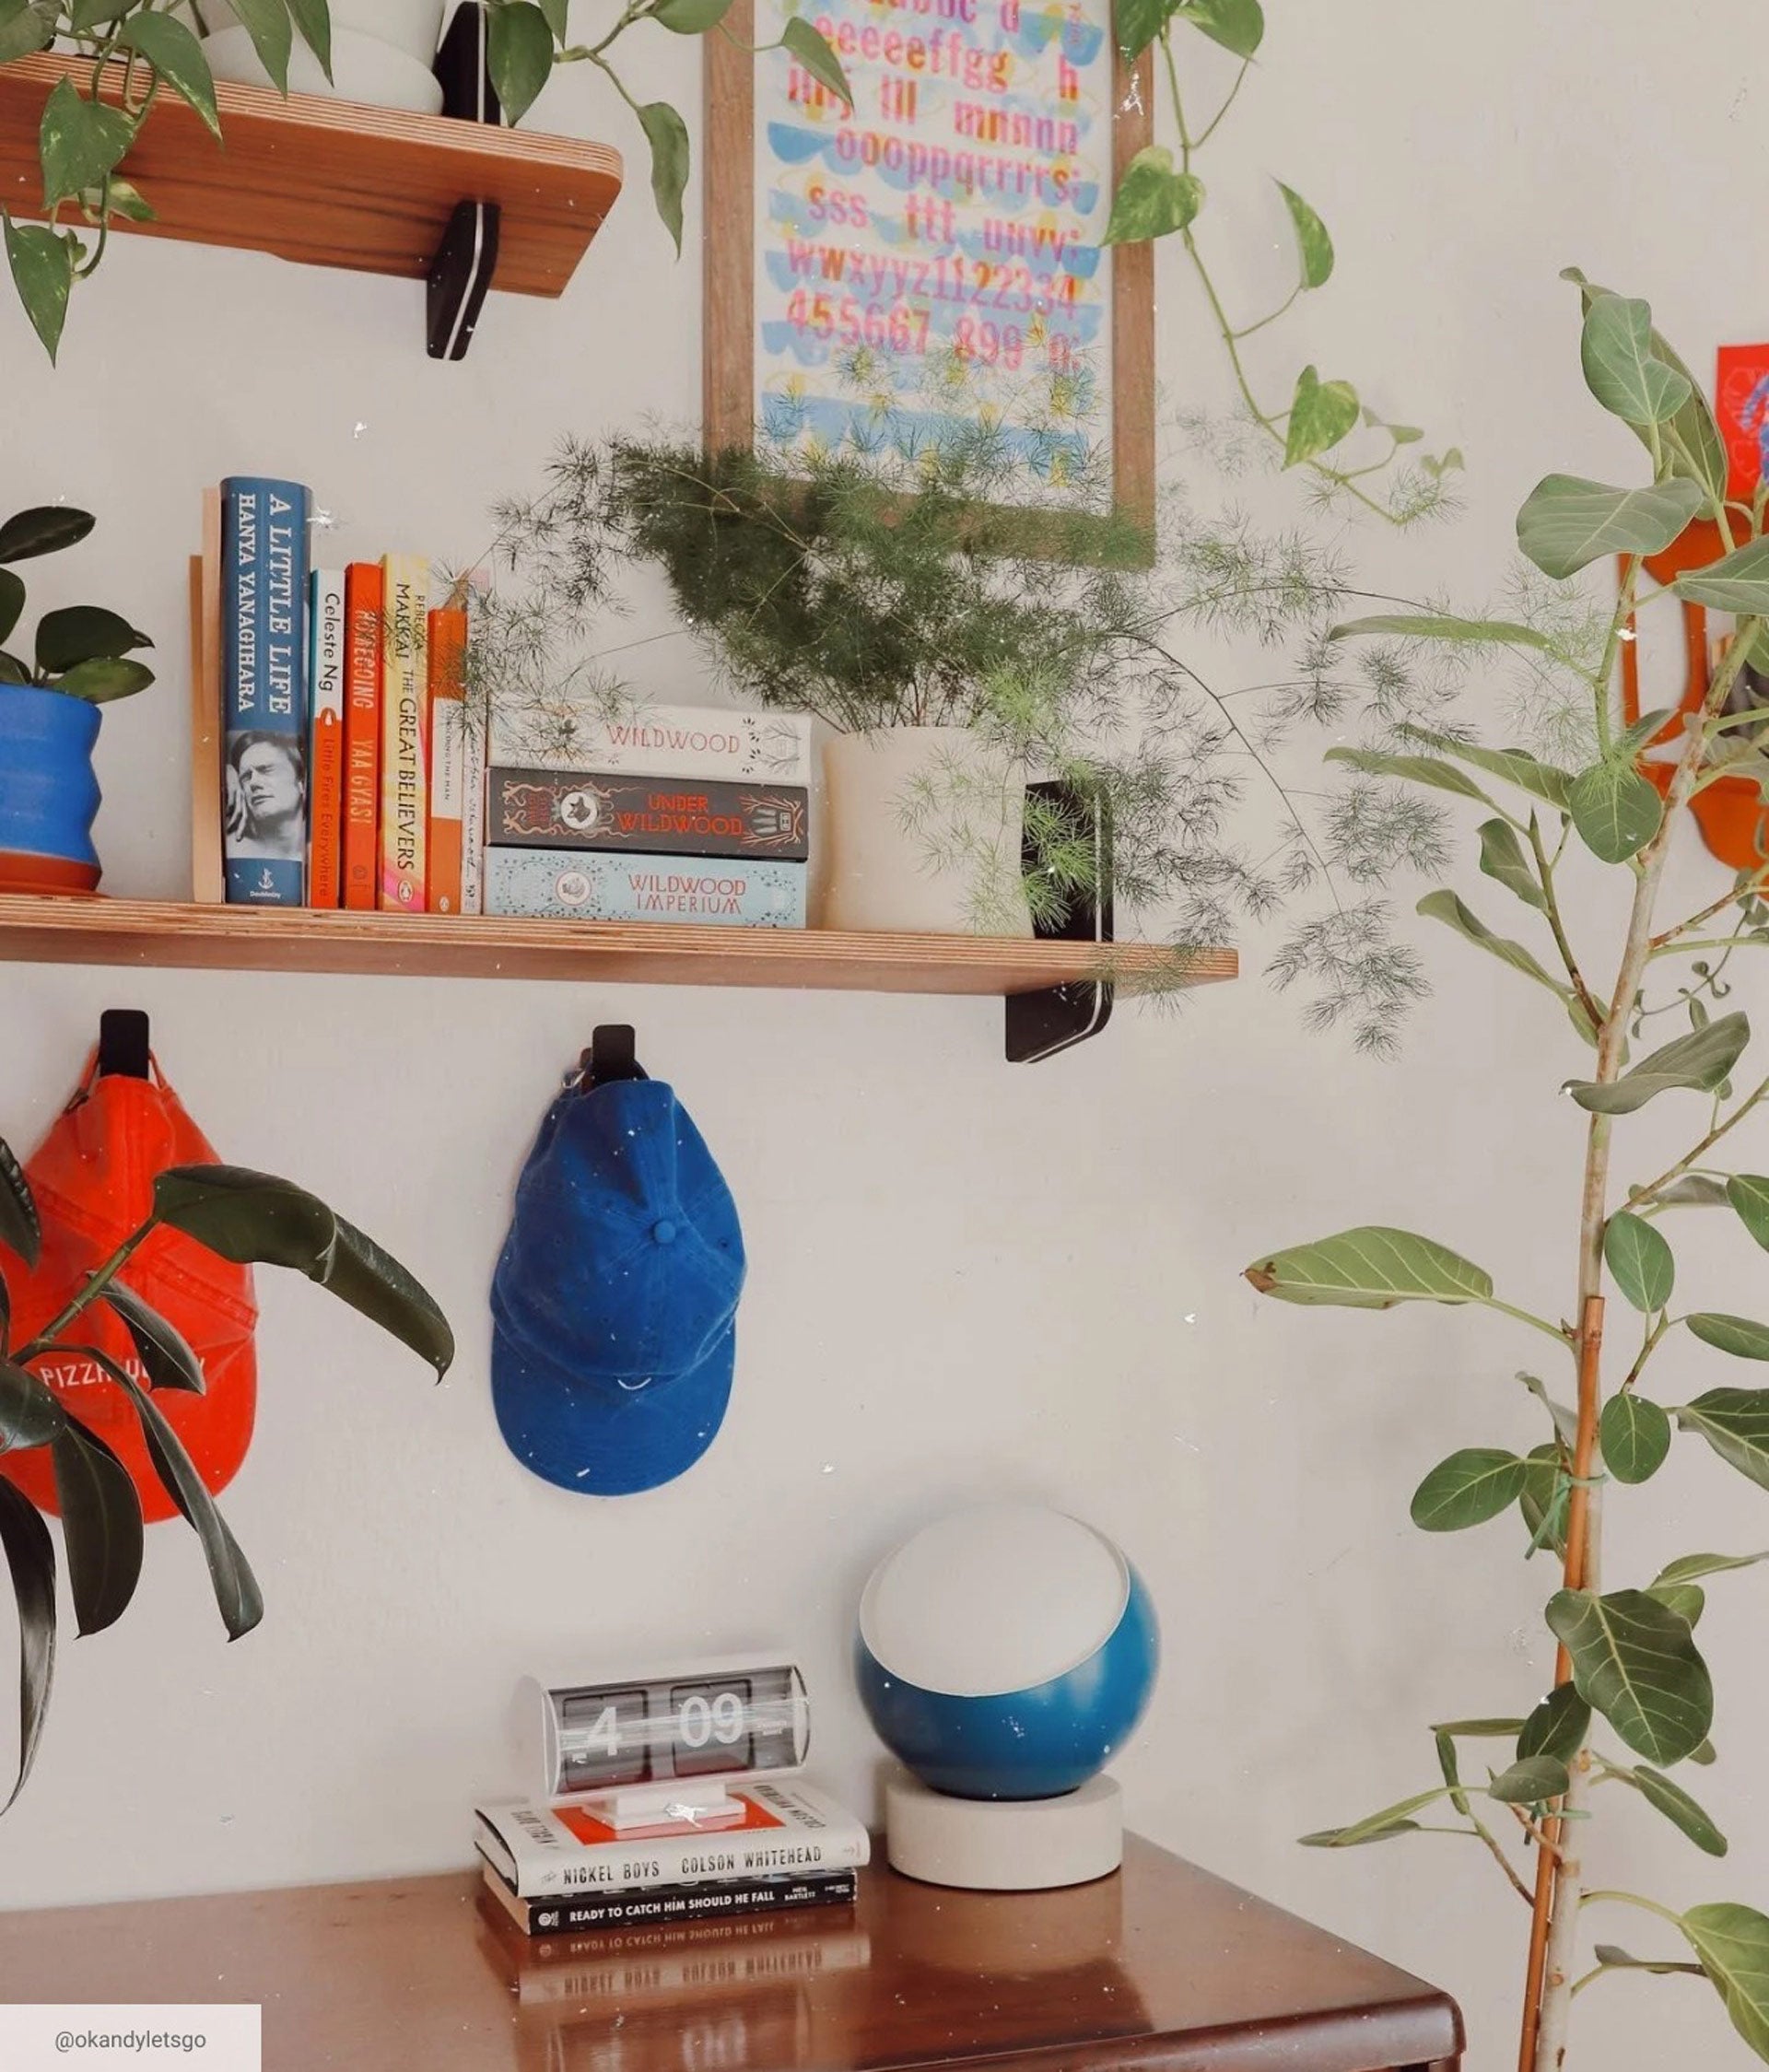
{"x": 558, "y": 1869}
{"x": 330, "y": 766}
{"x": 667, "y": 814}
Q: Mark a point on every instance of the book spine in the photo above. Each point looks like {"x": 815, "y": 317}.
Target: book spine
{"x": 689, "y": 1859}
{"x": 473, "y": 823}
{"x": 363, "y": 590}
{"x": 639, "y": 1908}
{"x": 448, "y": 676}
{"x": 325, "y": 645}
{"x": 586, "y": 884}
{"x": 405, "y": 734}
{"x": 208, "y": 813}
{"x": 265, "y": 670}
{"x": 600, "y": 809}
{"x": 660, "y": 741}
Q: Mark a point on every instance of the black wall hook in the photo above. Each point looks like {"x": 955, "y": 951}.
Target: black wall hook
{"x": 613, "y": 1055}
{"x": 122, "y": 1044}
{"x": 1039, "y": 1024}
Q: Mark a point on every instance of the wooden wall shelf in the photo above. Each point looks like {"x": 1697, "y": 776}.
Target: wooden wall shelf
{"x": 335, "y": 183}
{"x": 157, "y": 932}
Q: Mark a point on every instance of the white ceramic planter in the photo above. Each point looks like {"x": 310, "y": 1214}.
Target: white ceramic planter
{"x": 922, "y": 828}
{"x": 381, "y": 52}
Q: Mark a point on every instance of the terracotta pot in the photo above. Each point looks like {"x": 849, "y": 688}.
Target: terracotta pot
{"x": 923, "y": 828}
{"x": 49, "y": 793}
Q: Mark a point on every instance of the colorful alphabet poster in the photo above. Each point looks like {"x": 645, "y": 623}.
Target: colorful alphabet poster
{"x": 931, "y": 261}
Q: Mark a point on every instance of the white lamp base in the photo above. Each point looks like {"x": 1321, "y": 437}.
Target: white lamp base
{"x": 1005, "y": 1845}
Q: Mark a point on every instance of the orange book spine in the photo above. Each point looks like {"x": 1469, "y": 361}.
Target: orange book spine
{"x": 448, "y": 660}
{"x": 363, "y": 592}
{"x": 325, "y": 762}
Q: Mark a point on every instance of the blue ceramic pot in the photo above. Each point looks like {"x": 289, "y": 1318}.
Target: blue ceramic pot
{"x": 49, "y": 793}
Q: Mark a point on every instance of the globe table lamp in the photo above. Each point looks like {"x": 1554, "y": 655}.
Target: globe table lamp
{"x": 1003, "y": 1656}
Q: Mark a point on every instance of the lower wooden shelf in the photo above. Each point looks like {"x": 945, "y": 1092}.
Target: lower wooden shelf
{"x": 166, "y": 933}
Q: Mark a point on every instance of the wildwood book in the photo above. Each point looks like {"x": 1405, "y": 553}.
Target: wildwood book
{"x": 585, "y": 885}
{"x": 561, "y": 809}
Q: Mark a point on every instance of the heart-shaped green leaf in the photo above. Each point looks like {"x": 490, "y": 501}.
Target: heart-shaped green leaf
{"x": 1640, "y": 1259}
{"x": 1138, "y": 23}
{"x": 1693, "y": 446}
{"x": 43, "y": 271}
{"x": 1738, "y": 582}
{"x": 1636, "y": 1663}
{"x": 100, "y": 1525}
{"x": 1699, "y": 1061}
{"x": 1557, "y": 1728}
{"x": 1531, "y": 1782}
{"x": 170, "y": 47}
{"x": 1468, "y": 1489}
{"x": 1734, "y": 1422}
{"x": 1733, "y": 1945}
{"x": 667, "y": 134}
{"x": 1236, "y": 25}
{"x": 1154, "y": 199}
{"x": 271, "y": 30}
{"x": 810, "y": 47}
{"x": 30, "y": 1559}
{"x": 1621, "y": 368}
{"x": 1313, "y": 247}
{"x": 78, "y": 141}
{"x": 24, "y": 30}
{"x": 1567, "y": 522}
{"x": 520, "y": 53}
{"x": 1635, "y": 1437}
{"x": 1370, "y": 1268}
{"x": 1616, "y": 811}
{"x": 1322, "y": 413}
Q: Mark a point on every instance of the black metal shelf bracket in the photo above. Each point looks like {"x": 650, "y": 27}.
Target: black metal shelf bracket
{"x": 461, "y": 272}
{"x": 1041, "y": 1024}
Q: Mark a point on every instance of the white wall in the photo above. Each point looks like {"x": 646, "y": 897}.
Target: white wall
{"x": 967, "y": 1280}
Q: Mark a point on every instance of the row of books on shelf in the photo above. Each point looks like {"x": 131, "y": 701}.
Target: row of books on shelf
{"x": 339, "y": 766}
{"x": 559, "y": 1868}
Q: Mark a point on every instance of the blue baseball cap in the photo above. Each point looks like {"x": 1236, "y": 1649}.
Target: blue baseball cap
{"x": 614, "y": 1305}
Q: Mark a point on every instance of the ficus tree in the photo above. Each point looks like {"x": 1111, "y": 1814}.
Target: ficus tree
{"x": 248, "y": 1218}
{"x": 1632, "y": 1698}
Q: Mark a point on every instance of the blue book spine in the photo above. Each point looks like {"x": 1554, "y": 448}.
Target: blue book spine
{"x": 592, "y": 885}
{"x": 264, "y": 651}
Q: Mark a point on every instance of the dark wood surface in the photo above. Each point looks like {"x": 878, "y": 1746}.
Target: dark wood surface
{"x": 1163, "y": 1967}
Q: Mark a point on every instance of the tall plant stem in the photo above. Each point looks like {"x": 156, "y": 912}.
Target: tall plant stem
{"x": 1547, "y": 1989}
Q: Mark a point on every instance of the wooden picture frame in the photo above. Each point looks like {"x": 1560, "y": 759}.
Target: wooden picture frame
{"x": 730, "y": 191}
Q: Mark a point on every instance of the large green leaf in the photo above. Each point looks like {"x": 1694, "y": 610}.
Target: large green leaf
{"x": 312, "y": 20}
{"x": 1636, "y": 1663}
{"x": 1370, "y": 1268}
{"x": 31, "y": 1558}
{"x": 1733, "y": 1944}
{"x": 271, "y": 30}
{"x": 1567, "y": 522}
{"x": 1441, "y": 625}
{"x": 1138, "y": 23}
{"x": 1701, "y": 1061}
{"x": 1738, "y": 582}
{"x": 1322, "y": 413}
{"x": 257, "y": 1219}
{"x": 44, "y": 529}
{"x": 1447, "y": 908}
{"x": 1503, "y": 861}
{"x": 1154, "y": 199}
{"x": 1635, "y": 1437}
{"x": 25, "y": 29}
{"x": 20, "y": 1231}
{"x": 1377, "y": 1827}
{"x": 30, "y": 1414}
{"x": 1410, "y": 770}
{"x": 1741, "y": 1336}
{"x": 166, "y": 1358}
{"x": 686, "y": 18}
{"x": 1236, "y": 25}
{"x": 810, "y": 47}
{"x": 520, "y": 53}
{"x": 1616, "y": 810}
{"x": 1468, "y": 1489}
{"x": 1314, "y": 246}
{"x": 100, "y": 1525}
{"x": 1515, "y": 765}
{"x": 667, "y": 134}
{"x": 78, "y": 141}
{"x": 1696, "y": 450}
{"x": 1735, "y": 1422}
{"x": 42, "y": 262}
{"x": 1676, "y": 1805}
{"x": 1621, "y": 368}
{"x": 1637, "y": 1255}
{"x": 104, "y": 678}
{"x": 83, "y": 633}
{"x": 1748, "y": 1195}
{"x": 1690, "y": 1568}
{"x": 1531, "y": 1782}
{"x": 178, "y": 57}
{"x": 1557, "y": 1728}
{"x": 1688, "y": 1600}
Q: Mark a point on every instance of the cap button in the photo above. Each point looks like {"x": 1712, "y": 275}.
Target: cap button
{"x": 663, "y": 1232}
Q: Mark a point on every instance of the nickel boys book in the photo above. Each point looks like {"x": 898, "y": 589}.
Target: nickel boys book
{"x": 552, "y": 1850}
{"x": 263, "y": 660}
{"x": 647, "y": 1907}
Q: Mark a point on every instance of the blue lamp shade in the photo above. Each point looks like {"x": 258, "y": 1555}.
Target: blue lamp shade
{"x": 1006, "y": 1653}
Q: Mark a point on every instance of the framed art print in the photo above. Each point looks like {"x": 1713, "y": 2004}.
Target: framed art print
{"x": 930, "y": 262}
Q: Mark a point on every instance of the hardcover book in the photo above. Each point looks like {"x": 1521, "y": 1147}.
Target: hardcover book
{"x": 265, "y": 673}
{"x": 548, "y": 1850}
{"x": 325, "y": 649}
{"x": 591, "y": 885}
{"x": 363, "y": 590}
{"x": 700, "y": 742}
{"x": 559, "y": 808}
{"x": 405, "y": 731}
{"x": 652, "y": 1906}
{"x": 448, "y": 671}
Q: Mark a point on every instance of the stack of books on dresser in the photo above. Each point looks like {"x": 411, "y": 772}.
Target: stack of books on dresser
{"x": 559, "y": 1868}
{"x": 663, "y": 814}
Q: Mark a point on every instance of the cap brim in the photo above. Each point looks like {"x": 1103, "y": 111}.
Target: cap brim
{"x": 594, "y": 1436}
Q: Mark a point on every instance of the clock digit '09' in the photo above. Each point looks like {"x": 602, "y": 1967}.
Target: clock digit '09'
{"x": 598, "y": 1738}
